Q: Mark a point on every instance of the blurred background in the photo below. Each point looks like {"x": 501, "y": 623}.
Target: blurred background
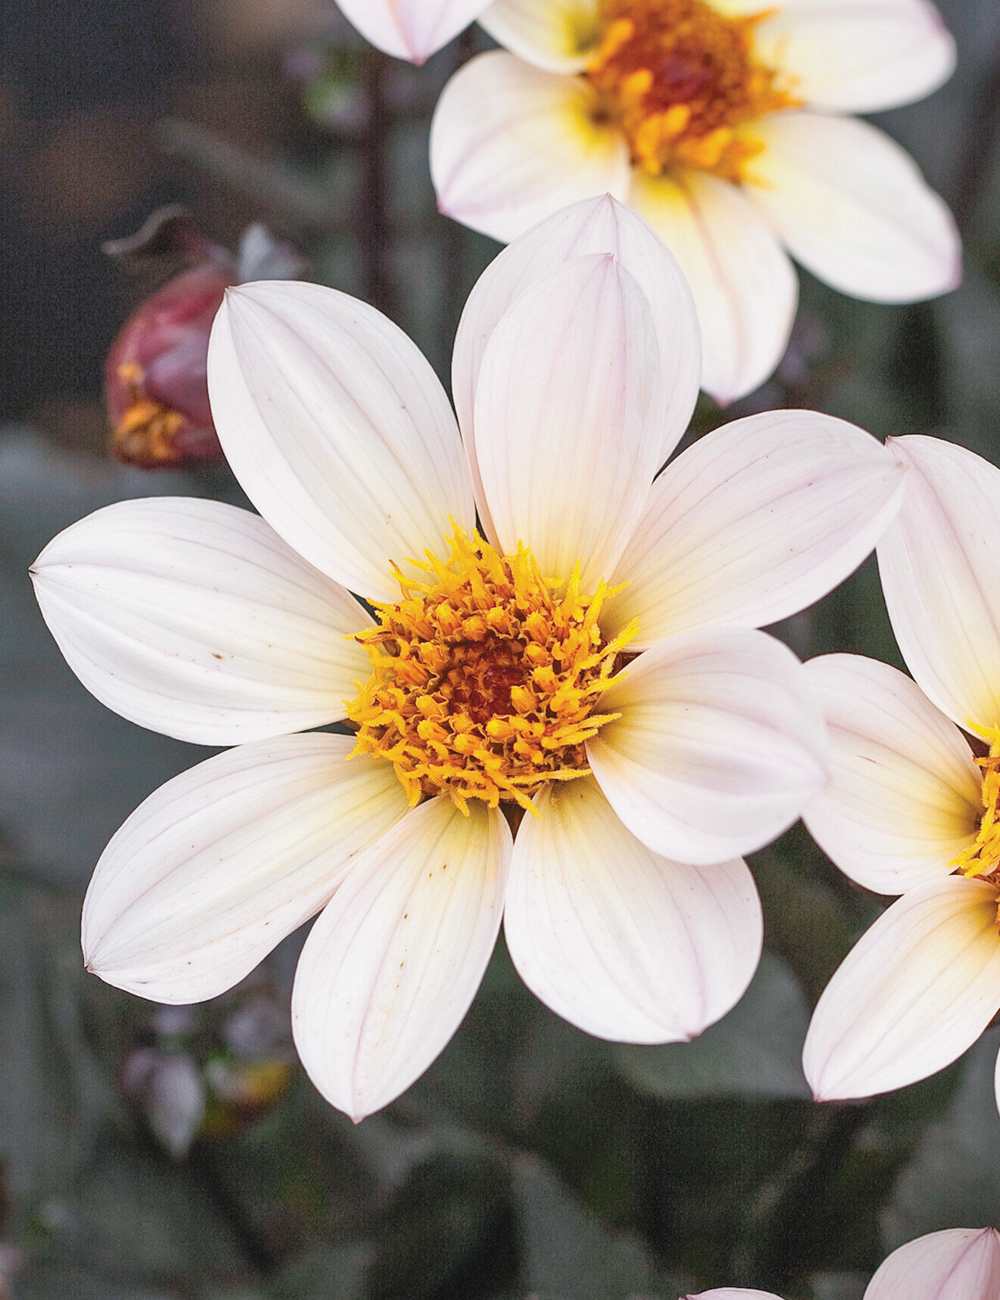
{"x": 158, "y": 1154}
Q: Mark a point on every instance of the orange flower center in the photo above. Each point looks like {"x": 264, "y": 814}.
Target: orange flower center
{"x": 485, "y": 677}
{"x": 681, "y": 80}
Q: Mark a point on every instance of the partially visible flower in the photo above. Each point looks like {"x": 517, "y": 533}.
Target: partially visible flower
{"x": 957, "y": 1264}
{"x": 910, "y": 807}
{"x": 590, "y": 662}
{"x": 155, "y": 384}
{"x": 411, "y": 29}
{"x": 722, "y": 122}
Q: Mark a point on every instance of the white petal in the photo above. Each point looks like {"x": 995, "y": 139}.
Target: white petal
{"x": 391, "y": 966}
{"x": 219, "y": 864}
{"x": 511, "y": 144}
{"x": 411, "y": 29}
{"x": 555, "y": 35}
{"x": 622, "y": 943}
{"x": 744, "y": 286}
{"x": 903, "y": 796}
{"x": 569, "y": 417}
{"x": 195, "y": 619}
{"x": 957, "y": 1264}
{"x": 753, "y": 522}
{"x": 858, "y": 56}
{"x": 917, "y": 989}
{"x": 597, "y": 225}
{"x": 940, "y": 571}
{"x": 719, "y": 744}
{"x": 337, "y": 428}
{"x": 734, "y": 1293}
{"x": 852, "y": 207}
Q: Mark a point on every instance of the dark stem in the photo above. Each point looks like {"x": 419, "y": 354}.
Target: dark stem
{"x": 980, "y": 141}
{"x": 373, "y": 203}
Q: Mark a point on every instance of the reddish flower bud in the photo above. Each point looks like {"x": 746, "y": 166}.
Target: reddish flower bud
{"x": 155, "y": 377}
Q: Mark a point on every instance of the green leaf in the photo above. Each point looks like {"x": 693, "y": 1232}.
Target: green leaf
{"x": 953, "y": 1178}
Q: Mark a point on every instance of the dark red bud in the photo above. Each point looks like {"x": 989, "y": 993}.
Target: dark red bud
{"x": 155, "y": 375}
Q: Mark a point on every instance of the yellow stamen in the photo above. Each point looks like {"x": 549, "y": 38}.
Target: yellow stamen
{"x": 681, "y": 79}
{"x": 982, "y": 856}
{"x": 505, "y": 700}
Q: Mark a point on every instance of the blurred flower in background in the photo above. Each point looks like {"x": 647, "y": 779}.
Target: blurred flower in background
{"x": 211, "y": 1071}
{"x": 723, "y": 125}
{"x": 485, "y": 679}
{"x": 155, "y": 383}
{"x": 910, "y": 808}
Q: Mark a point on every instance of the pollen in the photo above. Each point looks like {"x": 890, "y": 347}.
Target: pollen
{"x": 981, "y": 858}
{"x": 486, "y": 677}
{"x": 681, "y": 80}
{"x": 145, "y": 432}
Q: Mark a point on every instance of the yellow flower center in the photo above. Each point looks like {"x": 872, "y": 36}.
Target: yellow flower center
{"x": 982, "y": 857}
{"x": 485, "y": 677}
{"x": 680, "y": 79}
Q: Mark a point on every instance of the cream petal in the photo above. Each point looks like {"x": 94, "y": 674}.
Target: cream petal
{"x": 569, "y": 416}
{"x": 555, "y": 35}
{"x": 957, "y": 1264}
{"x": 734, "y": 1293}
{"x": 744, "y": 287}
{"x": 219, "y": 864}
{"x": 338, "y": 430}
{"x": 392, "y": 964}
{"x": 940, "y": 572}
{"x": 195, "y": 619}
{"x": 411, "y": 29}
{"x": 754, "y": 521}
{"x": 511, "y": 144}
{"x": 917, "y": 989}
{"x": 624, "y": 944}
{"x": 858, "y": 56}
{"x": 852, "y": 207}
{"x": 903, "y": 796}
{"x": 719, "y": 744}
{"x": 597, "y": 225}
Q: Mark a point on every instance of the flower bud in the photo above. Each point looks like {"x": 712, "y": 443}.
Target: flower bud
{"x": 155, "y": 375}
{"x": 155, "y": 383}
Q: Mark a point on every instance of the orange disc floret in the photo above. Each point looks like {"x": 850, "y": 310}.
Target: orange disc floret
{"x": 680, "y": 78}
{"x": 485, "y": 677}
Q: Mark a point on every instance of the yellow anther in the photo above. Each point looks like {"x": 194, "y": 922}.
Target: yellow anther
{"x": 537, "y": 627}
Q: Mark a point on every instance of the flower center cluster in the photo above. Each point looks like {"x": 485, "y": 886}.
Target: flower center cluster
{"x": 485, "y": 677}
{"x": 680, "y": 79}
{"x": 982, "y": 857}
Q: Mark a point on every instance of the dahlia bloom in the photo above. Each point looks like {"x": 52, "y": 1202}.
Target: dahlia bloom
{"x": 591, "y": 661}
{"x": 723, "y": 123}
{"x": 911, "y": 806}
{"x": 411, "y": 29}
{"x": 957, "y": 1264}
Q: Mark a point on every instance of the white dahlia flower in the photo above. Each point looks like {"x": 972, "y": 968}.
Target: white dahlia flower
{"x": 590, "y": 662}
{"x": 911, "y": 804}
{"x": 723, "y": 123}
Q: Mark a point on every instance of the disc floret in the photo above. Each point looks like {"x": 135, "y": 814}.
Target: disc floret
{"x": 981, "y": 858}
{"x": 485, "y": 676}
{"x": 680, "y": 79}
